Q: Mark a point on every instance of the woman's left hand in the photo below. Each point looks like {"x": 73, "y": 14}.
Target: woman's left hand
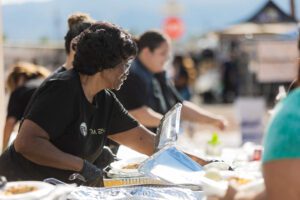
{"x": 230, "y": 195}
{"x": 233, "y": 194}
{"x": 220, "y": 122}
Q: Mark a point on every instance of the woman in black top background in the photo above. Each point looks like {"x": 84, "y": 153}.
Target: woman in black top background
{"x": 22, "y": 81}
{"x": 77, "y": 22}
{"x": 148, "y": 94}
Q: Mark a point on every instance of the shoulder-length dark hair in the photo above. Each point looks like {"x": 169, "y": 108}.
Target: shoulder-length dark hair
{"x": 151, "y": 39}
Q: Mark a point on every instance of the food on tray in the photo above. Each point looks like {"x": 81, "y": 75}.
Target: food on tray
{"x": 131, "y": 166}
{"x": 239, "y": 180}
{"x": 215, "y": 174}
{"x": 19, "y": 189}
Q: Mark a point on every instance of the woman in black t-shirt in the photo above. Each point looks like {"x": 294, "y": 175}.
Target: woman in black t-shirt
{"x": 21, "y": 83}
{"x": 74, "y": 112}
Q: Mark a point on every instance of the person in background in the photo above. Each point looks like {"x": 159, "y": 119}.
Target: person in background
{"x": 22, "y": 81}
{"x": 208, "y": 83}
{"x": 230, "y": 74}
{"x": 77, "y": 22}
{"x": 77, "y": 18}
{"x": 74, "y": 112}
{"x": 148, "y": 94}
{"x": 185, "y": 74}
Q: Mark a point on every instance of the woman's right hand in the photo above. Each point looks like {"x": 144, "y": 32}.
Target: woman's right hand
{"x": 93, "y": 175}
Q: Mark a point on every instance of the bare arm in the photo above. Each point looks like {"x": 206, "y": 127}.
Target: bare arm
{"x": 232, "y": 194}
{"x": 194, "y": 113}
{"x": 33, "y": 143}
{"x": 282, "y": 179}
{"x": 146, "y": 116}
{"x": 139, "y": 139}
{"x": 8, "y": 129}
{"x": 142, "y": 140}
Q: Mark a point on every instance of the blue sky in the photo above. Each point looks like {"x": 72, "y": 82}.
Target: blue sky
{"x": 199, "y": 16}
{"x": 19, "y": 1}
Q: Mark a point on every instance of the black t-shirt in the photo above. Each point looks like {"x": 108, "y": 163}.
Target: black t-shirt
{"x": 74, "y": 125}
{"x": 20, "y": 97}
{"x": 143, "y": 88}
{"x": 59, "y": 70}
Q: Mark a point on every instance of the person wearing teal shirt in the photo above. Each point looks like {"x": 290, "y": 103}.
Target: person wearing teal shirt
{"x": 282, "y": 140}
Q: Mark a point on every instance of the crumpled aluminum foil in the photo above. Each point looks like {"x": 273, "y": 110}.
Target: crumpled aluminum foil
{"x": 135, "y": 192}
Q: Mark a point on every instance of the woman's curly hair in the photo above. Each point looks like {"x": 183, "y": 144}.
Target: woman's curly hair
{"x": 102, "y": 46}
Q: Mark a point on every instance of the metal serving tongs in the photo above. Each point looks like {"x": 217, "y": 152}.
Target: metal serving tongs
{"x": 73, "y": 177}
{"x": 3, "y": 181}
{"x": 54, "y": 181}
{"x": 77, "y": 178}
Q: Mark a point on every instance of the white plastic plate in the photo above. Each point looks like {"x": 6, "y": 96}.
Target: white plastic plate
{"x": 42, "y": 190}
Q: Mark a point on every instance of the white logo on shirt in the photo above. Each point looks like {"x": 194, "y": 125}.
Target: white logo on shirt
{"x": 83, "y": 129}
{"x": 98, "y": 131}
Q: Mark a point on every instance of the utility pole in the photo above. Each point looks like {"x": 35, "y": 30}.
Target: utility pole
{"x": 2, "y": 94}
{"x": 292, "y": 9}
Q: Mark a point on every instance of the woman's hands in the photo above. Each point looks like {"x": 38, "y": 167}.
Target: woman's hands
{"x": 220, "y": 122}
{"x": 230, "y": 195}
{"x": 233, "y": 194}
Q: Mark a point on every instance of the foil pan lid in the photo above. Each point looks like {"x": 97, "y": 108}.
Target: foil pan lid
{"x": 167, "y": 132}
{"x": 173, "y": 166}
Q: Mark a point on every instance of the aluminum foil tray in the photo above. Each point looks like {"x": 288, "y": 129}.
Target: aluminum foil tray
{"x": 132, "y": 181}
